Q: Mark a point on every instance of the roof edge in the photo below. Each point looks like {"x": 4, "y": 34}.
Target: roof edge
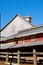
{"x": 9, "y": 22}
{"x": 31, "y": 28}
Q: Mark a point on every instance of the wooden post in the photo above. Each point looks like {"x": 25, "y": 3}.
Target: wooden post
{"x": 18, "y": 60}
{"x": 0, "y": 54}
{"x": 34, "y": 57}
{"x": 7, "y": 57}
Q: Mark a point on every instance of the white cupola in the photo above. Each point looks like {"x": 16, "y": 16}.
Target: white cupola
{"x": 28, "y": 18}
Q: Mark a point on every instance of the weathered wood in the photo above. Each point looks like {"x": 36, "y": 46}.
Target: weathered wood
{"x": 18, "y": 60}
{"x": 7, "y": 57}
{"x": 26, "y": 52}
{"x": 41, "y": 53}
{"x": 0, "y": 54}
{"x": 34, "y": 57}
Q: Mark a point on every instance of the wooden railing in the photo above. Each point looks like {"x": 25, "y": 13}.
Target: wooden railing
{"x": 34, "y": 55}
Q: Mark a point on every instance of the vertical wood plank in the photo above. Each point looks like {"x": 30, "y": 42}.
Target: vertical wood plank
{"x": 18, "y": 60}
{"x": 34, "y": 57}
{"x": 7, "y": 57}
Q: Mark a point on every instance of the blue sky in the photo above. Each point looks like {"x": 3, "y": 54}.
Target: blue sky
{"x": 33, "y": 8}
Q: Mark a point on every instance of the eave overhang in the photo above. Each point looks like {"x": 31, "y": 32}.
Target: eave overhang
{"x": 29, "y": 32}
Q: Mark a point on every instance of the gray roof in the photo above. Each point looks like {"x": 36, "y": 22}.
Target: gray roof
{"x": 28, "y": 44}
{"x": 13, "y": 19}
{"x": 28, "y": 32}
{"x": 25, "y": 45}
{"x": 32, "y": 31}
{"x": 4, "y": 38}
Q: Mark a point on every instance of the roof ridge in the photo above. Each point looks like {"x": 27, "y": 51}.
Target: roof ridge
{"x": 13, "y": 19}
{"x": 26, "y": 21}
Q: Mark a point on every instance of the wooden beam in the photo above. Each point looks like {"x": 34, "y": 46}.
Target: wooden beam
{"x": 18, "y": 60}
{"x": 7, "y": 57}
{"x": 34, "y": 57}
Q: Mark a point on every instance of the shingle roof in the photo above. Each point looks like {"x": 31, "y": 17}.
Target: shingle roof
{"x": 13, "y": 19}
{"x": 28, "y": 44}
{"x": 25, "y": 45}
{"x": 32, "y": 31}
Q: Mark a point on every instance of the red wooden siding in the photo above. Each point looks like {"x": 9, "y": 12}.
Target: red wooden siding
{"x": 15, "y": 41}
{"x": 26, "y": 39}
{"x": 33, "y": 38}
{"x": 20, "y": 40}
{"x": 39, "y": 37}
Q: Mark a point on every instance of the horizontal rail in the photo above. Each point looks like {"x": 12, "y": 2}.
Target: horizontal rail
{"x": 41, "y": 53}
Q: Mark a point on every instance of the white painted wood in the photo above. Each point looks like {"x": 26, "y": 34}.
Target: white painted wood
{"x": 16, "y": 25}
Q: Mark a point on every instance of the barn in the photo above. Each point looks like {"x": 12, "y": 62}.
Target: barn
{"x": 22, "y": 37}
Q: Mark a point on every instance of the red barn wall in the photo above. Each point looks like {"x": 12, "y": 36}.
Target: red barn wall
{"x": 15, "y": 41}
{"x": 26, "y": 39}
{"x": 39, "y": 37}
{"x": 32, "y": 38}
